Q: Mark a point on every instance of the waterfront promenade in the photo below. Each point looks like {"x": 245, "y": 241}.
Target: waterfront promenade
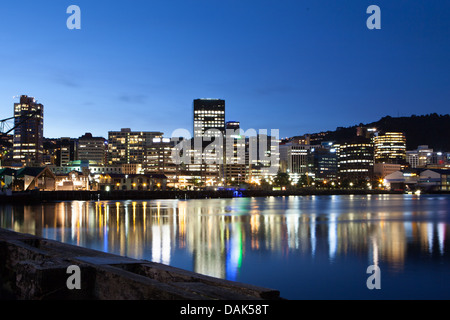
{"x": 38, "y": 196}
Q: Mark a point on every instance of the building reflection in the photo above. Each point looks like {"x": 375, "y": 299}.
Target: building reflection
{"x": 218, "y": 234}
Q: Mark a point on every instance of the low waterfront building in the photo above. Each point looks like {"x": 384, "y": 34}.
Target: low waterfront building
{"x": 381, "y": 170}
{"x": 131, "y": 168}
{"x": 34, "y": 178}
{"x": 72, "y": 181}
{"x": 401, "y": 180}
{"x": 6, "y": 178}
{"x": 126, "y": 182}
{"x": 86, "y": 166}
{"x": 426, "y": 179}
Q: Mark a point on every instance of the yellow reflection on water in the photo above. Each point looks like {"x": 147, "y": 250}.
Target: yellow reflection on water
{"x": 218, "y": 233}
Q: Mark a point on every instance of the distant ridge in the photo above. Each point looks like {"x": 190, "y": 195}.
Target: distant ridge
{"x": 431, "y": 129}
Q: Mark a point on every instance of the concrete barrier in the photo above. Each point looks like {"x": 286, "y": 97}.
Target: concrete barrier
{"x": 34, "y": 268}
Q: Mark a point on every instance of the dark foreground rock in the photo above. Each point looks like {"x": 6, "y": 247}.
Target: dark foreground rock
{"x": 33, "y": 268}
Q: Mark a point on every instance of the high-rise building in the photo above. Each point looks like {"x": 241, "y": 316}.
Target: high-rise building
{"x": 390, "y": 147}
{"x": 294, "y": 158}
{"x": 209, "y": 122}
{"x": 92, "y": 148}
{"x": 29, "y": 132}
{"x": 234, "y": 168}
{"x": 67, "y": 151}
{"x": 323, "y": 163}
{"x": 262, "y": 156}
{"x": 159, "y": 159}
{"x": 356, "y": 160}
{"x": 209, "y": 114}
{"x": 129, "y": 147}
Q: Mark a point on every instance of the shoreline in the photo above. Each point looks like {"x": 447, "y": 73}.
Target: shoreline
{"x": 44, "y": 196}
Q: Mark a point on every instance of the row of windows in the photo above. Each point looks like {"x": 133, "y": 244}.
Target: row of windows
{"x": 354, "y": 170}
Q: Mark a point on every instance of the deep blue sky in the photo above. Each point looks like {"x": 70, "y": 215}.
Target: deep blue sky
{"x": 298, "y": 66}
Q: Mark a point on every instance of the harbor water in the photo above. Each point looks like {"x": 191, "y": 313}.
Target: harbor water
{"x": 308, "y": 247}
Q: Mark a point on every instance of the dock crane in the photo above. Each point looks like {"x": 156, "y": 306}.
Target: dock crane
{"x": 22, "y": 118}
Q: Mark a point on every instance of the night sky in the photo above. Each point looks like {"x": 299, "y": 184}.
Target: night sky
{"x": 297, "y": 66}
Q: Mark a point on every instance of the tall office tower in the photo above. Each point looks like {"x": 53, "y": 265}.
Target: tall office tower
{"x": 294, "y": 158}
{"x": 208, "y": 114}
{"x": 234, "y": 167}
{"x": 28, "y": 146}
{"x": 209, "y": 122}
{"x": 323, "y": 163}
{"x": 390, "y": 147}
{"x": 92, "y": 148}
{"x": 356, "y": 160}
{"x": 159, "y": 160}
{"x": 262, "y": 156}
{"x": 129, "y": 147}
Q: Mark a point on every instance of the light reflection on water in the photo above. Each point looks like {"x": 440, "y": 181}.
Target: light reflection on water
{"x": 310, "y": 247}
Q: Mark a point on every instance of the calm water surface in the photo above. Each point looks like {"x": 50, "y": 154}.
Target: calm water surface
{"x": 308, "y": 247}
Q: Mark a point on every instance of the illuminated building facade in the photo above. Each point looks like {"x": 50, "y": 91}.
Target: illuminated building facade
{"x": 6, "y": 147}
{"x": 356, "y": 160}
{"x": 294, "y": 158}
{"x": 92, "y": 148}
{"x": 390, "y": 147}
{"x": 209, "y": 122}
{"x": 67, "y": 151}
{"x": 208, "y": 114}
{"x": 129, "y": 147}
{"x": 28, "y": 146}
{"x": 159, "y": 159}
{"x": 425, "y": 157}
{"x": 323, "y": 164}
{"x": 262, "y": 157}
{"x": 234, "y": 167}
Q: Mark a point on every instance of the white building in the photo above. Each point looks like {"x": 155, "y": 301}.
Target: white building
{"x": 420, "y": 157}
{"x": 430, "y": 179}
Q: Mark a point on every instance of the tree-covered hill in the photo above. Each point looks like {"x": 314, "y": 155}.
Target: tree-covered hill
{"x": 431, "y": 129}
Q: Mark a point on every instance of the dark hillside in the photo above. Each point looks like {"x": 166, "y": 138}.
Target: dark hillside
{"x": 432, "y": 130}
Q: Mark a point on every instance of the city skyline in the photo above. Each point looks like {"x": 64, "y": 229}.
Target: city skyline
{"x": 298, "y": 67}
